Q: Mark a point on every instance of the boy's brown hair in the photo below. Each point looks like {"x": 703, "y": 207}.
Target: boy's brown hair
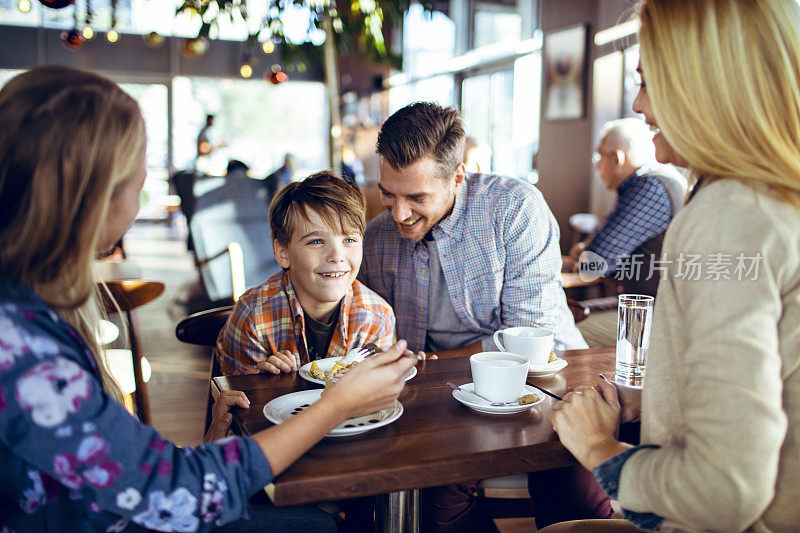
{"x": 423, "y": 129}
{"x": 338, "y": 202}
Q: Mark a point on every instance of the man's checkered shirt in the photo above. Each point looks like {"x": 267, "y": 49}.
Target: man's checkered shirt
{"x": 500, "y": 256}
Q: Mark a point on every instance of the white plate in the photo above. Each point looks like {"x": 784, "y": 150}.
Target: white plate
{"x": 483, "y": 406}
{"x": 284, "y": 407}
{"x": 547, "y": 369}
{"x": 326, "y": 364}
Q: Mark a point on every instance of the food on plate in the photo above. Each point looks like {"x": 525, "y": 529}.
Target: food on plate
{"x": 338, "y": 369}
{"x": 316, "y": 371}
{"x": 552, "y": 357}
{"x": 525, "y": 399}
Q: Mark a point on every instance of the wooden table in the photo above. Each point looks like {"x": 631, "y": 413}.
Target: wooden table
{"x": 584, "y": 369}
{"x": 437, "y": 441}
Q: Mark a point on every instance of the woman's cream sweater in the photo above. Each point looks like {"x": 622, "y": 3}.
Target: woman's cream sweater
{"x": 722, "y": 391}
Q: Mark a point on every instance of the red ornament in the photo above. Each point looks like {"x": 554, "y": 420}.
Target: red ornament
{"x": 56, "y": 4}
{"x": 276, "y": 75}
{"x": 72, "y": 39}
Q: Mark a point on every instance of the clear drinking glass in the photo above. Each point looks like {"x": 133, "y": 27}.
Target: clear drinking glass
{"x": 635, "y": 316}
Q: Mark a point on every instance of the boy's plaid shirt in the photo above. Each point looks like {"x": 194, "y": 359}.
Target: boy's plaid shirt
{"x": 268, "y": 319}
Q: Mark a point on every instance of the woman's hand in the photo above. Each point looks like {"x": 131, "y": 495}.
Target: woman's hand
{"x": 630, "y": 400}
{"x": 421, "y": 356}
{"x": 372, "y": 384}
{"x": 221, "y": 416}
{"x": 284, "y": 361}
{"x": 586, "y": 423}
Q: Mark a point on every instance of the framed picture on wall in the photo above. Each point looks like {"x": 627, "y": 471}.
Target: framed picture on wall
{"x": 565, "y": 73}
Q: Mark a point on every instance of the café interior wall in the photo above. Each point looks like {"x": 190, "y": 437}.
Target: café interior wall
{"x": 565, "y": 168}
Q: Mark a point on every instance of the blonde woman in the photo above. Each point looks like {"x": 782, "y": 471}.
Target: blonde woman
{"x": 72, "y": 167}
{"x": 720, "y": 408}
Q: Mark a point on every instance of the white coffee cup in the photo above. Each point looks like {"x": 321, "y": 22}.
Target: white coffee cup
{"x": 498, "y": 376}
{"x": 533, "y": 343}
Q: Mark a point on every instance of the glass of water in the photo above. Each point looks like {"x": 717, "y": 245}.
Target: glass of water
{"x": 635, "y": 316}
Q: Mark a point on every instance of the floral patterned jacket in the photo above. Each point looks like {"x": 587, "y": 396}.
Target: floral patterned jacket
{"x": 72, "y": 459}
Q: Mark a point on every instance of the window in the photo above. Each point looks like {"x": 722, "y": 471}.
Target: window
{"x": 501, "y": 111}
{"x": 259, "y": 123}
{"x": 152, "y": 99}
{"x": 495, "y": 23}
{"x": 630, "y": 80}
{"x": 428, "y": 44}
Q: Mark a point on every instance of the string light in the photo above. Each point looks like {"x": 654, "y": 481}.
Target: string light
{"x": 112, "y": 36}
{"x": 88, "y": 32}
{"x": 268, "y": 47}
{"x": 24, "y": 5}
{"x": 246, "y": 71}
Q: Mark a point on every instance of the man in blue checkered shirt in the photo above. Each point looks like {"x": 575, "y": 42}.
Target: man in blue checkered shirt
{"x": 459, "y": 255}
{"x": 649, "y": 195}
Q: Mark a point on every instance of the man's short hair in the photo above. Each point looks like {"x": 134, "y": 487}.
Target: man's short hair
{"x": 423, "y": 129}
{"x": 339, "y": 203}
{"x": 632, "y": 136}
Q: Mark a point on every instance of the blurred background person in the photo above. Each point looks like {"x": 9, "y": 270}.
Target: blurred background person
{"x": 281, "y": 176}
{"x": 648, "y": 197}
{"x": 477, "y": 156}
{"x": 209, "y": 159}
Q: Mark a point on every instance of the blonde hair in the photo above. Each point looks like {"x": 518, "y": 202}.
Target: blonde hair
{"x": 723, "y": 78}
{"x": 70, "y": 141}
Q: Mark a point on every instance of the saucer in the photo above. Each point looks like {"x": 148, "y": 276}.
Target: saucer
{"x": 483, "y": 406}
{"x": 284, "y": 407}
{"x": 547, "y": 369}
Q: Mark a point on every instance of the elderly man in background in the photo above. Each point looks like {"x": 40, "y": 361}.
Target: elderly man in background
{"x": 629, "y": 242}
{"x": 648, "y": 197}
{"x": 459, "y": 256}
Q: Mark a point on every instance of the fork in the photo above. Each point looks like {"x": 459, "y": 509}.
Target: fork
{"x": 359, "y": 354}
{"x": 493, "y": 404}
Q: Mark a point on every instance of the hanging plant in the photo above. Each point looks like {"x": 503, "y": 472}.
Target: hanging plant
{"x": 334, "y": 27}
{"x": 357, "y": 26}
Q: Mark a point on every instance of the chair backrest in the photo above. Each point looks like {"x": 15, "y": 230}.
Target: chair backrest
{"x": 203, "y": 328}
{"x": 130, "y": 294}
{"x": 231, "y": 209}
{"x": 579, "y": 311}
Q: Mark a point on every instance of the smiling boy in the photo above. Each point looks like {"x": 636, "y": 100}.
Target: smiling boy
{"x": 314, "y": 308}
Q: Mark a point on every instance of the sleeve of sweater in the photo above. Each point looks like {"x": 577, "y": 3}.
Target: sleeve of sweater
{"x": 719, "y": 473}
{"x": 55, "y": 416}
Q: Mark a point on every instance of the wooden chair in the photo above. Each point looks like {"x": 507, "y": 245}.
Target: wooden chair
{"x": 230, "y": 234}
{"x": 128, "y": 295}
{"x": 203, "y": 329}
{"x": 579, "y": 310}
